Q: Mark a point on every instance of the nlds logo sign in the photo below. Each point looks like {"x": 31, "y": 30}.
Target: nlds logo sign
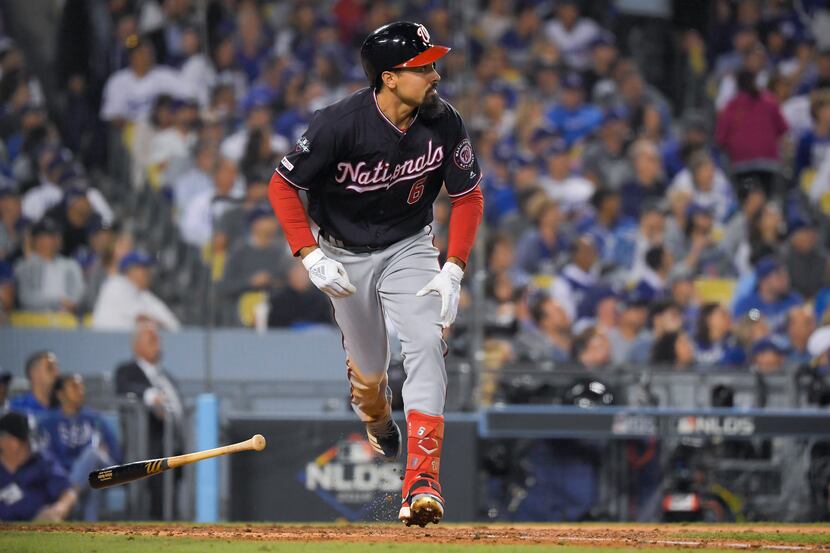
{"x": 716, "y": 426}
{"x": 351, "y": 478}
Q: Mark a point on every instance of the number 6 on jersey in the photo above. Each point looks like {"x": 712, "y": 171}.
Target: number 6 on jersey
{"x": 417, "y": 191}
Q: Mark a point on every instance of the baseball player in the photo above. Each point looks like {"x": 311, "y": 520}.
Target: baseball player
{"x": 372, "y": 165}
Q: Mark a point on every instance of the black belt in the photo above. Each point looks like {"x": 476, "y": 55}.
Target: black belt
{"x": 348, "y": 247}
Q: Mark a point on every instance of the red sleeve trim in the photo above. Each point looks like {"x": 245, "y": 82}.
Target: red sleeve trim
{"x": 292, "y": 216}
{"x": 465, "y": 218}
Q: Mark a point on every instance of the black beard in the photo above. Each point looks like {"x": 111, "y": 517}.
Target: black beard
{"x": 432, "y": 108}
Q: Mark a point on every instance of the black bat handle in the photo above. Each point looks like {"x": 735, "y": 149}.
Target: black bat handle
{"x": 121, "y": 474}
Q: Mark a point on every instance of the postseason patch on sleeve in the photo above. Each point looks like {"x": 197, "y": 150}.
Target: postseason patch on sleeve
{"x": 463, "y": 155}
{"x": 287, "y": 164}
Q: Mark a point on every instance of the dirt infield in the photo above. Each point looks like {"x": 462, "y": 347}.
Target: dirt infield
{"x": 693, "y": 536}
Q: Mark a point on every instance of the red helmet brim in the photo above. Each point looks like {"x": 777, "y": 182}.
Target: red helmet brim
{"x": 428, "y": 56}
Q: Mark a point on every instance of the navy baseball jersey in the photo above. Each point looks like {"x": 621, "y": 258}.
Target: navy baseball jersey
{"x": 39, "y": 482}
{"x": 368, "y": 182}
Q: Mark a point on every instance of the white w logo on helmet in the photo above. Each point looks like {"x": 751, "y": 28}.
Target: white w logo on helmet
{"x": 423, "y": 33}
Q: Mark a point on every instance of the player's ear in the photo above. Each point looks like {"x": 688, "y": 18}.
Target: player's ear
{"x": 390, "y": 79}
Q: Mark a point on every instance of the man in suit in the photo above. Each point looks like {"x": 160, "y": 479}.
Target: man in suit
{"x": 144, "y": 377}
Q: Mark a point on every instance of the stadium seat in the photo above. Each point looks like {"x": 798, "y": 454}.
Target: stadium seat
{"x": 717, "y": 290}
{"x": 246, "y": 305}
{"x": 44, "y": 319}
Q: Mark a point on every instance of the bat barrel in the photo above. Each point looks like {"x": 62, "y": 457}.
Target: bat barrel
{"x": 121, "y": 474}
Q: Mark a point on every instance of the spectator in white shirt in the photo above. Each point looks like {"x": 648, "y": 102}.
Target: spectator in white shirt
{"x": 196, "y": 224}
{"x": 258, "y": 116}
{"x": 198, "y": 178}
{"x": 197, "y": 70}
{"x": 572, "y": 192}
{"x": 573, "y": 34}
{"x": 130, "y": 92}
{"x": 125, "y": 298}
{"x": 53, "y": 162}
{"x": 46, "y": 280}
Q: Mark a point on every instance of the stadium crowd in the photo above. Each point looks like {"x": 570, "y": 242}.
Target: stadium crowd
{"x": 657, "y": 184}
{"x": 658, "y": 197}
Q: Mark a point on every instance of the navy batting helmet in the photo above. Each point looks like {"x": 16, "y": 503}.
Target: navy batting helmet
{"x": 397, "y": 46}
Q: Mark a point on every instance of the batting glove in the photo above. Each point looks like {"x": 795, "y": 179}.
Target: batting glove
{"x": 448, "y": 285}
{"x": 328, "y": 275}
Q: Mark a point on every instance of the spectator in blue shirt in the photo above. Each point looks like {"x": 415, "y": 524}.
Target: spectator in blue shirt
{"x": 715, "y": 345}
{"x": 814, "y": 145}
{"x": 801, "y": 322}
{"x": 572, "y": 117}
{"x": 41, "y": 371}
{"x": 648, "y": 184}
{"x": 33, "y": 486}
{"x": 539, "y": 249}
{"x": 78, "y": 437}
{"x": 772, "y": 296}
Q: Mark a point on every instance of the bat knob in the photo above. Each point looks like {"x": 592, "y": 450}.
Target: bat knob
{"x": 258, "y": 441}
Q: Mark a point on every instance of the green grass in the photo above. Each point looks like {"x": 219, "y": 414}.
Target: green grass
{"x": 66, "y": 542}
{"x": 746, "y": 535}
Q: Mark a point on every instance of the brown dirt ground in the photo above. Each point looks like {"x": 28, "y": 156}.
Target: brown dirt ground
{"x": 616, "y": 535}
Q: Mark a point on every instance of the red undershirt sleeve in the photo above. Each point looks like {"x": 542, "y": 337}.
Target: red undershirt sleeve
{"x": 465, "y": 217}
{"x": 292, "y": 216}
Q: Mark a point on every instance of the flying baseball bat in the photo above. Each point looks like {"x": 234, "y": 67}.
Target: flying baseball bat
{"x": 121, "y": 474}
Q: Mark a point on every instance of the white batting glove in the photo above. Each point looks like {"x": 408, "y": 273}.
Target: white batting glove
{"x": 448, "y": 285}
{"x": 328, "y": 275}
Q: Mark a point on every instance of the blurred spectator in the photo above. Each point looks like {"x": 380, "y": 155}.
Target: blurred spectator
{"x": 33, "y": 486}
{"x": 232, "y": 227}
{"x": 298, "y": 302}
{"x": 630, "y": 340}
{"x": 599, "y": 77}
{"x": 100, "y": 259}
{"x": 130, "y": 92}
{"x": 41, "y": 372}
{"x": 648, "y": 184}
{"x": 538, "y": 250}
{"x": 573, "y": 34}
{"x": 592, "y": 349}
{"x": 768, "y": 355}
{"x": 772, "y": 296}
{"x": 749, "y": 129}
{"x": 7, "y": 291}
{"x": 673, "y": 350}
{"x": 261, "y": 261}
{"x": 582, "y": 273}
{"x": 682, "y": 294}
{"x": 197, "y": 73}
{"x": 548, "y": 337}
{"x": 814, "y": 144}
{"x": 169, "y": 149}
{"x": 665, "y": 317}
{"x": 654, "y": 279}
{"x": 801, "y": 323}
{"x": 715, "y": 344}
{"x": 197, "y": 220}
{"x": 78, "y": 438}
{"x": 11, "y": 223}
{"x": 736, "y": 234}
{"x": 605, "y": 162}
{"x": 608, "y": 229}
{"x": 805, "y": 258}
{"x": 706, "y": 184}
{"x": 571, "y": 191}
{"x": 46, "y": 280}
{"x": 54, "y": 164}
{"x": 701, "y": 254}
{"x": 258, "y": 118}
{"x": 5, "y": 381}
{"x": 198, "y": 178}
{"x": 146, "y": 379}
{"x": 126, "y": 297}
{"x": 74, "y": 216}
{"x": 571, "y": 117}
